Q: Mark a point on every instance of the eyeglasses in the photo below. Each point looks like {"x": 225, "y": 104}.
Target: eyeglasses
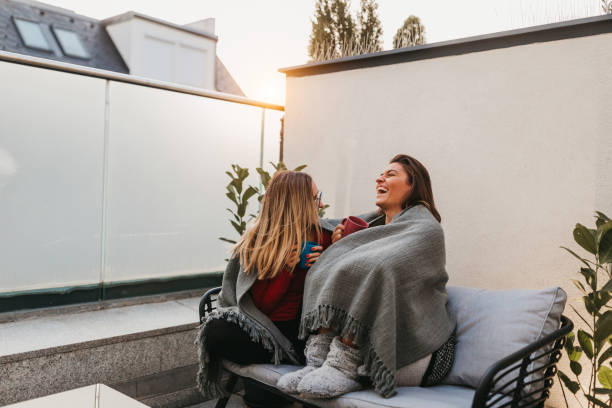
{"x": 317, "y": 198}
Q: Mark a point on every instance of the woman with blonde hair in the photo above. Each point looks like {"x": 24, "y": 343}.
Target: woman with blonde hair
{"x": 258, "y": 317}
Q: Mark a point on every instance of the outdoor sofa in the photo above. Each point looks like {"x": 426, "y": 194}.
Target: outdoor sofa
{"x": 508, "y": 345}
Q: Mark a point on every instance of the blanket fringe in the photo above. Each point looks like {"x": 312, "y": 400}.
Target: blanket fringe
{"x": 209, "y": 377}
{"x": 383, "y": 379}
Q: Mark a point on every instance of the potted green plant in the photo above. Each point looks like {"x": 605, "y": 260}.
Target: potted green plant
{"x": 591, "y": 347}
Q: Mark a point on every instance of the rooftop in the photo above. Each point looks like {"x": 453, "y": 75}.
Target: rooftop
{"x": 40, "y": 30}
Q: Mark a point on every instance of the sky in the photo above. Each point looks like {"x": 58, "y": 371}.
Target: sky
{"x": 257, "y": 37}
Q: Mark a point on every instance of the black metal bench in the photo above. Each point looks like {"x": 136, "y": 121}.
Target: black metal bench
{"x": 507, "y": 383}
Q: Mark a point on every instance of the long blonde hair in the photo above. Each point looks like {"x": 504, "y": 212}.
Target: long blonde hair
{"x": 288, "y": 218}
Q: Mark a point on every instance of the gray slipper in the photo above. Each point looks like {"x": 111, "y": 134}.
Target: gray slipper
{"x": 337, "y": 376}
{"x": 317, "y": 347}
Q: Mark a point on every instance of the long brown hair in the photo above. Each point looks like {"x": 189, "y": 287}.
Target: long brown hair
{"x": 418, "y": 178}
{"x": 287, "y": 219}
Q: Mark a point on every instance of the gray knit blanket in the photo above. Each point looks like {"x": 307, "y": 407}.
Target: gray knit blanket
{"x": 235, "y": 304}
{"x": 385, "y": 287}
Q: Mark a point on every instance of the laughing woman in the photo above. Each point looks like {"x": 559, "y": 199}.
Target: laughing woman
{"x": 375, "y": 304}
{"x": 257, "y": 320}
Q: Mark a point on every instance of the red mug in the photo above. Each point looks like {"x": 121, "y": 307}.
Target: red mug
{"x": 353, "y": 224}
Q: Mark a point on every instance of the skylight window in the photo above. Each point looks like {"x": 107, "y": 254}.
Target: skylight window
{"x": 31, "y": 34}
{"x": 71, "y": 43}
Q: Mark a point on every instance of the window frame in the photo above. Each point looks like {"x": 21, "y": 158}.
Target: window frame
{"x": 54, "y": 29}
{"x": 15, "y": 19}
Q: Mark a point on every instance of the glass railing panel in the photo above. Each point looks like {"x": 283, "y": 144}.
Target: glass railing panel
{"x": 166, "y": 200}
{"x": 51, "y": 143}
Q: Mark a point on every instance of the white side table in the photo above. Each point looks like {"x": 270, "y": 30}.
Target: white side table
{"x": 92, "y": 396}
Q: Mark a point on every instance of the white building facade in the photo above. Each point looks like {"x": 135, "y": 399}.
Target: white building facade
{"x": 157, "y": 49}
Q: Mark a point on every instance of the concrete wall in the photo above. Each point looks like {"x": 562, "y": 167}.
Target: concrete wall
{"x": 518, "y": 142}
{"x": 105, "y": 181}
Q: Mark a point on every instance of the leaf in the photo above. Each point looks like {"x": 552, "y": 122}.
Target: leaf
{"x": 584, "y": 238}
{"x": 595, "y": 300}
{"x": 227, "y": 240}
{"x": 569, "y": 342}
{"x": 248, "y": 193}
{"x": 601, "y": 218}
{"x": 579, "y": 285}
{"x": 264, "y": 176}
{"x": 242, "y": 208}
{"x": 601, "y": 299}
{"x": 603, "y": 329}
{"x": 300, "y": 168}
{"x": 576, "y": 367}
{"x": 605, "y": 377}
{"x": 322, "y": 210}
{"x": 585, "y": 343}
{"x": 573, "y": 386}
{"x": 604, "y": 234}
{"x": 596, "y": 401}
{"x": 589, "y": 277}
{"x": 236, "y": 227}
{"x": 279, "y": 166}
{"x": 231, "y": 196}
{"x": 237, "y": 185}
{"x": 575, "y": 354}
{"x": 589, "y": 304}
{"x": 606, "y": 355}
{"x": 607, "y": 287}
{"x": 236, "y": 217}
{"x": 577, "y": 256}
{"x": 602, "y": 391}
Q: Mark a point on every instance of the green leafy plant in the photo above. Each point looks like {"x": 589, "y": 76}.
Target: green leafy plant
{"x": 240, "y": 196}
{"x": 593, "y": 343}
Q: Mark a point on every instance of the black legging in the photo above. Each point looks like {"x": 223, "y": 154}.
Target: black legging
{"x": 227, "y": 340}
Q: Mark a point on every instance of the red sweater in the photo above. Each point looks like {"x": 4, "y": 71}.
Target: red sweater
{"x": 280, "y": 298}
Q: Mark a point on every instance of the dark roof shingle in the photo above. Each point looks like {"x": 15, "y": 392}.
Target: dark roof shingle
{"x": 93, "y": 35}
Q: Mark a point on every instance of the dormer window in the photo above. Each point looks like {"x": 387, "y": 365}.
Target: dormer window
{"x": 32, "y": 35}
{"x": 71, "y": 43}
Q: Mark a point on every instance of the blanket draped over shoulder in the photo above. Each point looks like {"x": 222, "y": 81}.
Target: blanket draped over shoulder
{"x": 235, "y": 304}
{"x": 385, "y": 287}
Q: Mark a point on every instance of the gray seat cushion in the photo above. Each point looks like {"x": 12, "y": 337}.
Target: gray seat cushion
{"x": 442, "y": 396}
{"x": 492, "y": 324}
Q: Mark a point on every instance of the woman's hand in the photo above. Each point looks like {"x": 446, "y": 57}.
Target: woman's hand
{"x": 338, "y": 233}
{"x": 314, "y": 255}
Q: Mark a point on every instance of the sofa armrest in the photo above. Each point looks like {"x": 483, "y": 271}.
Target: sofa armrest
{"x": 206, "y": 303}
{"x": 524, "y": 376}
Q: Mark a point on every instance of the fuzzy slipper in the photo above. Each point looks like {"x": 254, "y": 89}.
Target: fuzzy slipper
{"x": 317, "y": 347}
{"x": 337, "y": 376}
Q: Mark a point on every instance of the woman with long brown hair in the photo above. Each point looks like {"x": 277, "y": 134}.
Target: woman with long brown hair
{"x": 375, "y": 306}
{"x": 259, "y": 306}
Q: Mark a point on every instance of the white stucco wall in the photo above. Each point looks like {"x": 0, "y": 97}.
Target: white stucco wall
{"x": 154, "y": 50}
{"x": 518, "y": 142}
